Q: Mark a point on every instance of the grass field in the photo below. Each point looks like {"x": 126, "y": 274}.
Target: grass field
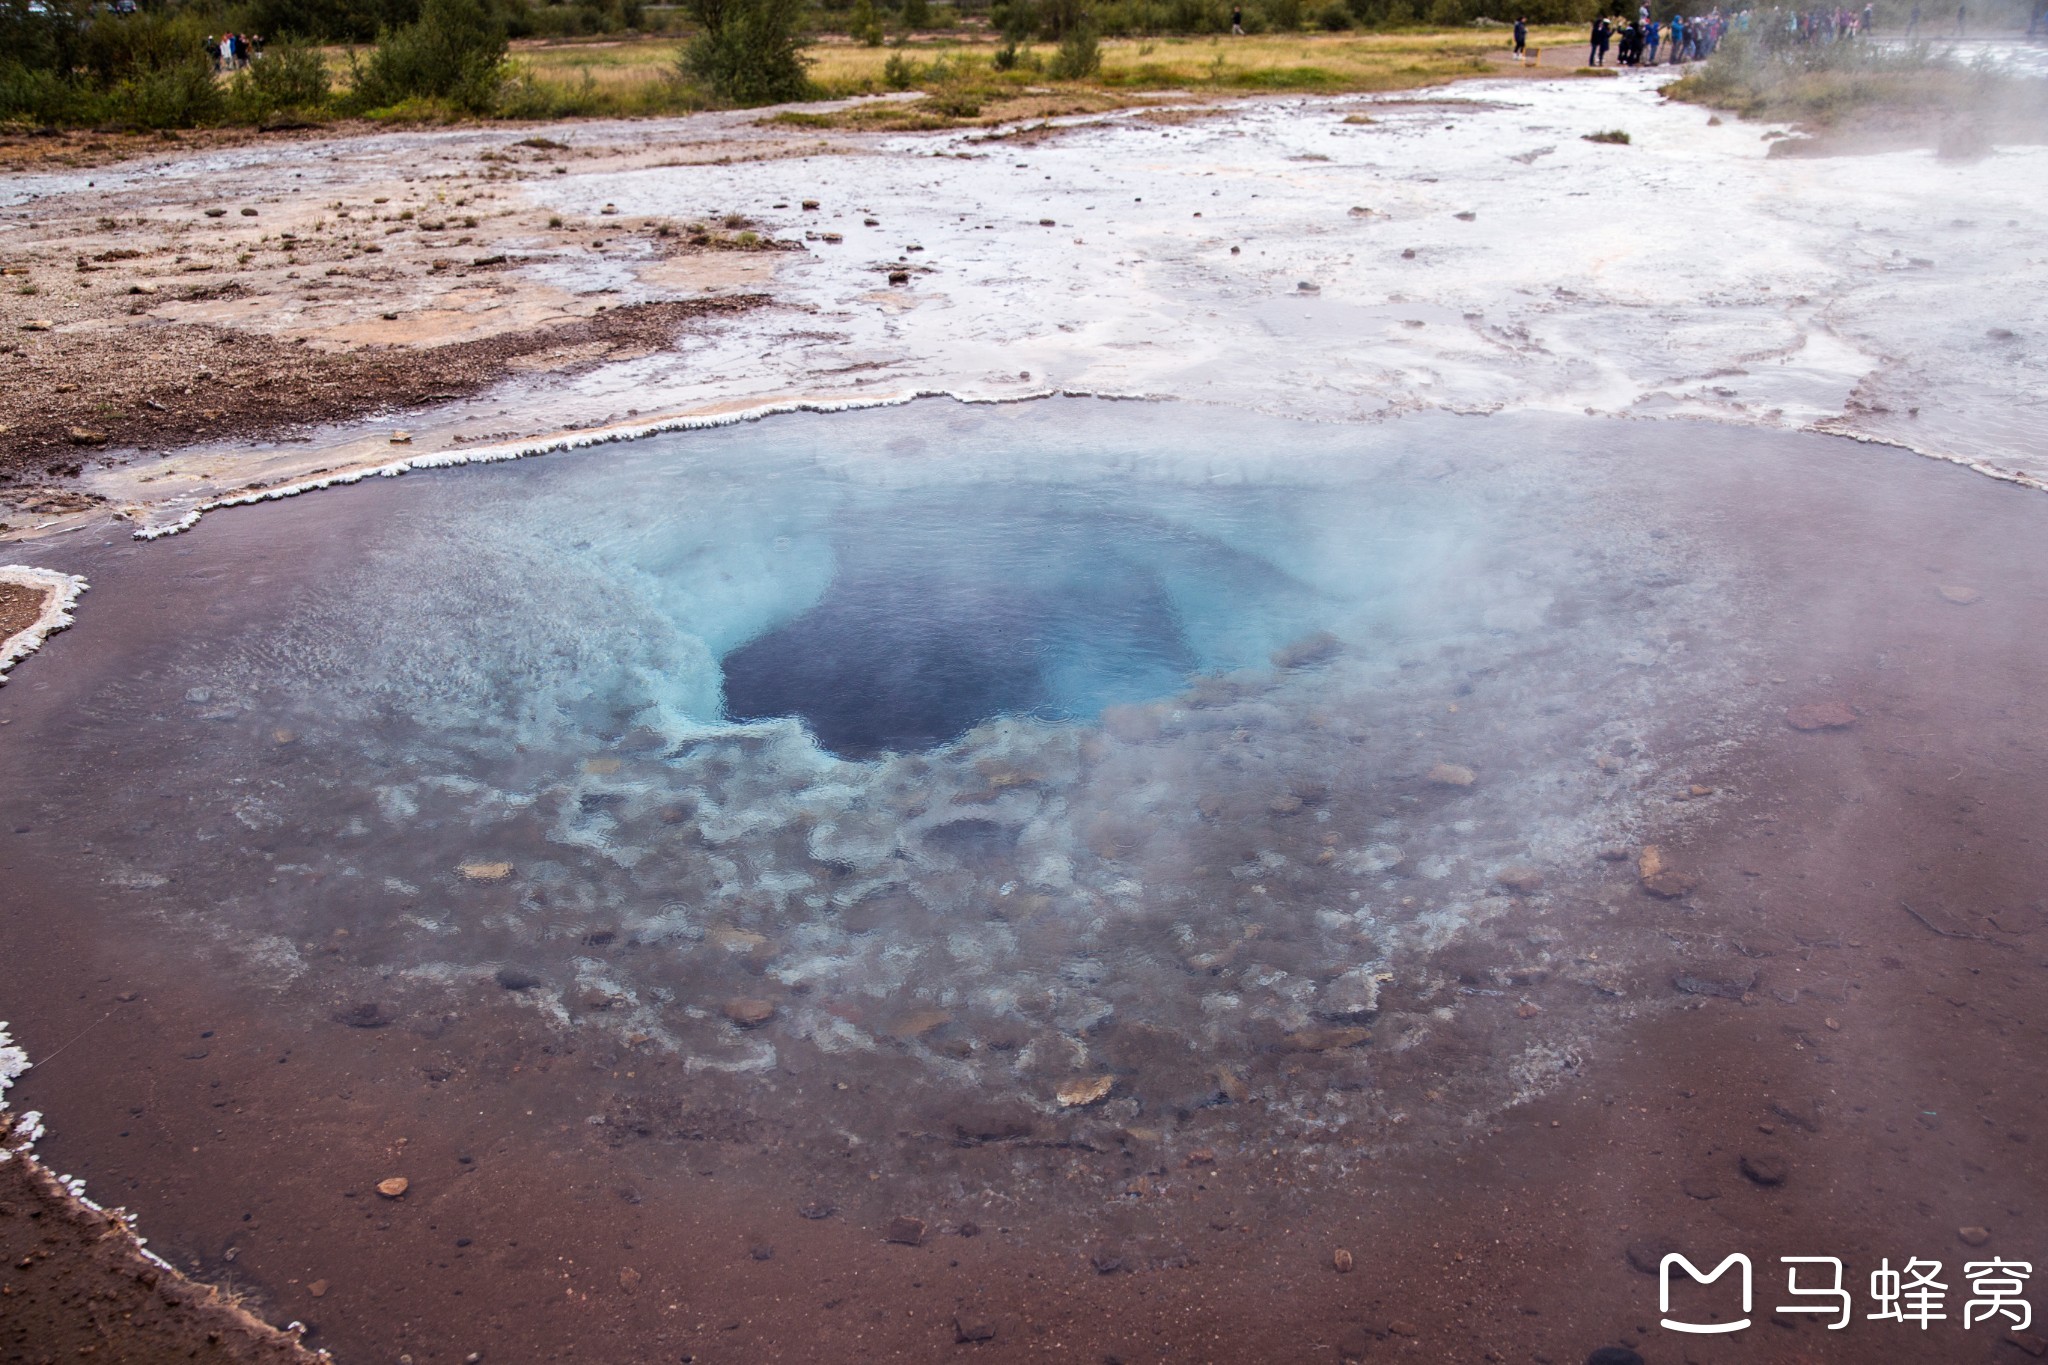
{"x": 636, "y": 75}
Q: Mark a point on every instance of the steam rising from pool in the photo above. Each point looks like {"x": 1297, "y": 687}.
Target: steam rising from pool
{"x": 983, "y": 752}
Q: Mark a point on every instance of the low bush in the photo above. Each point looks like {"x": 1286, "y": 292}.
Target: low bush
{"x": 748, "y": 51}
{"x": 453, "y": 54}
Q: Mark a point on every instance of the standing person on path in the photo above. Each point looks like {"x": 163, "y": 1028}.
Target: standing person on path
{"x": 1913, "y": 21}
{"x": 1237, "y": 21}
{"x": 1521, "y": 40}
{"x": 1962, "y": 14}
{"x": 1650, "y": 31}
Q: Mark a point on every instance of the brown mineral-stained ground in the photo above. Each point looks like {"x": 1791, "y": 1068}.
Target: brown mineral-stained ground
{"x": 130, "y": 321}
{"x": 20, "y": 607}
{"x": 74, "y": 1284}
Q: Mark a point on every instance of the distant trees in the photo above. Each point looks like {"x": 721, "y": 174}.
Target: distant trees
{"x": 748, "y": 51}
{"x": 454, "y": 53}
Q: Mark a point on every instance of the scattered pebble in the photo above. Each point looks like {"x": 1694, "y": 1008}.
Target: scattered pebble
{"x": 484, "y": 872}
{"x": 1084, "y": 1090}
{"x": 1522, "y": 880}
{"x": 747, "y": 1012}
{"x": 1763, "y": 1169}
{"x": 817, "y": 1209}
{"x": 1451, "y": 775}
{"x": 318, "y": 1289}
{"x": 1341, "y": 1261}
{"x": 904, "y": 1231}
{"x": 394, "y": 1188}
{"x": 970, "y": 1329}
{"x": 1659, "y": 878}
{"x": 1974, "y": 1236}
{"x": 1825, "y": 715}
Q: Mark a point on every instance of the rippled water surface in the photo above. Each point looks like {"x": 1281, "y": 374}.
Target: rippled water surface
{"x": 1121, "y": 761}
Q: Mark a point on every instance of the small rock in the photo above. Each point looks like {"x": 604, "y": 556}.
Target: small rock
{"x": 248, "y": 213}
{"x": 1824, "y": 715}
{"x": 762, "y": 1253}
{"x": 1202, "y": 1156}
{"x": 1308, "y": 287}
{"x": 1696, "y": 791}
{"x": 1232, "y": 1086}
{"x": 1352, "y": 998}
{"x": 1465, "y": 217}
{"x": 969, "y": 1329}
{"x": 1613, "y": 853}
{"x": 1698, "y": 1188}
{"x": 2034, "y": 1345}
{"x": 810, "y": 203}
{"x": 1324, "y": 1039}
{"x": 1659, "y": 878}
{"x": 1725, "y": 987}
{"x": 1318, "y": 648}
{"x": 1360, "y": 211}
{"x": 1401, "y": 1327}
{"x": 216, "y": 213}
{"x": 817, "y": 1209}
{"x": 1520, "y": 880}
{"x": 1959, "y": 594}
{"x": 394, "y": 1188}
{"x": 484, "y": 872}
{"x": 899, "y": 277}
{"x": 609, "y": 209}
{"x": 1762, "y": 1169}
{"x": 629, "y": 1279}
{"x": 1647, "y": 1257}
{"x": 399, "y": 438}
{"x": 1614, "y": 1355}
{"x": 1047, "y": 222}
{"x": 1974, "y": 1236}
{"x": 37, "y": 325}
{"x": 1106, "y": 1263}
{"x": 516, "y": 979}
{"x": 904, "y": 1231}
{"x": 85, "y": 436}
{"x": 1451, "y": 775}
{"x": 747, "y": 1012}
{"x": 1084, "y": 1090}
{"x": 1341, "y": 1261}
{"x": 318, "y": 1289}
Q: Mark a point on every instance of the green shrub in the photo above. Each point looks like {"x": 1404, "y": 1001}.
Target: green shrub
{"x": 748, "y": 51}
{"x": 864, "y": 25}
{"x": 289, "y": 78}
{"x": 1334, "y": 17}
{"x": 454, "y": 53}
{"x": 1079, "y": 55}
{"x": 899, "y": 72}
{"x": 917, "y": 14}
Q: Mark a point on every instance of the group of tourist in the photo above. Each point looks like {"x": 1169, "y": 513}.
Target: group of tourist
{"x": 233, "y": 51}
{"x": 1638, "y": 41}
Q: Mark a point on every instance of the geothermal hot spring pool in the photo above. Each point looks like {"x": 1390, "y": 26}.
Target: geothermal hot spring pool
{"x": 963, "y": 810}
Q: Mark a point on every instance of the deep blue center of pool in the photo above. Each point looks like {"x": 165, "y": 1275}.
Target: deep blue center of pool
{"x": 947, "y": 611}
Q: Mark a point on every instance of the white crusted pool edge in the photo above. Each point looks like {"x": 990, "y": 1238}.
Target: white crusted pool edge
{"x": 60, "y": 594}
{"x": 548, "y": 445}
